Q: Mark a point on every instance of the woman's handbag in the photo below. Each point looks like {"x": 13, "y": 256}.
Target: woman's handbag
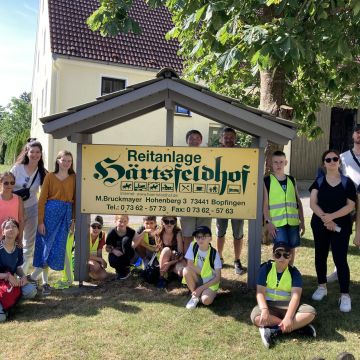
{"x": 24, "y": 193}
{"x": 151, "y": 272}
{"x": 9, "y": 294}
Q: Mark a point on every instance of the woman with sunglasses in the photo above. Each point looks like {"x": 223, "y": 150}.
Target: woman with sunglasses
{"x": 332, "y": 199}
{"x": 97, "y": 264}
{"x": 11, "y": 205}
{"x": 29, "y": 170}
{"x": 11, "y": 272}
{"x": 278, "y": 294}
{"x": 170, "y": 246}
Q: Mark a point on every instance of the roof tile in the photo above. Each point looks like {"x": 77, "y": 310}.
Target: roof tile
{"x": 70, "y": 36}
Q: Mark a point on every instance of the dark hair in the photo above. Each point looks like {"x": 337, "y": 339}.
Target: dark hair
{"x": 278, "y": 153}
{"x": 6, "y": 173}
{"x": 159, "y": 234}
{"x": 99, "y": 219}
{"x": 192, "y": 132}
{"x": 323, "y": 156}
{"x": 59, "y": 156}
{"x": 227, "y": 129}
{"x": 149, "y": 218}
{"x": 24, "y": 159}
{"x": 12, "y": 220}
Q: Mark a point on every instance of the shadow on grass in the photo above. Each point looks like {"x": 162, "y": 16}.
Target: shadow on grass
{"x": 234, "y": 300}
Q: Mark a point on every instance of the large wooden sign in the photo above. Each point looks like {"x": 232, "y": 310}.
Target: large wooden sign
{"x": 179, "y": 181}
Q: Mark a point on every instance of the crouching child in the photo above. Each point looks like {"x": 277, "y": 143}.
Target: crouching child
{"x": 203, "y": 271}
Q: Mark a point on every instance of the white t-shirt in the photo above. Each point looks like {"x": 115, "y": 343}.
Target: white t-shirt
{"x": 201, "y": 259}
{"x": 22, "y": 178}
{"x": 350, "y": 168}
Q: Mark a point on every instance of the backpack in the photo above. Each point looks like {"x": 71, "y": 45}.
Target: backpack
{"x": 344, "y": 180}
{"x": 151, "y": 273}
{"x": 211, "y": 257}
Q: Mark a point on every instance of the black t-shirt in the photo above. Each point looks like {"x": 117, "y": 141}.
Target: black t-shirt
{"x": 283, "y": 183}
{"x": 121, "y": 242}
{"x": 333, "y": 198}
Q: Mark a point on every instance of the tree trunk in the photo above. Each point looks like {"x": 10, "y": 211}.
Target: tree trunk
{"x": 272, "y": 85}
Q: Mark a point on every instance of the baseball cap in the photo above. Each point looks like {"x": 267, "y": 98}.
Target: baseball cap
{"x": 98, "y": 221}
{"x": 202, "y": 230}
{"x": 356, "y": 127}
{"x": 281, "y": 245}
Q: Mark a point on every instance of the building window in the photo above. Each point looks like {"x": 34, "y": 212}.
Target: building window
{"x": 110, "y": 85}
{"x": 182, "y": 111}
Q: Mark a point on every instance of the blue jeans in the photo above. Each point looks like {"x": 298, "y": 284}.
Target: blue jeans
{"x": 288, "y": 234}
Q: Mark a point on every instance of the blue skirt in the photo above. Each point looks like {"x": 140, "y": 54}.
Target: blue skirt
{"x": 50, "y": 248}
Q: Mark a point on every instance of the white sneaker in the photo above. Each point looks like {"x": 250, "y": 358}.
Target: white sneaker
{"x": 319, "y": 293}
{"x": 192, "y": 303}
{"x": 345, "y": 303}
{"x": 332, "y": 277}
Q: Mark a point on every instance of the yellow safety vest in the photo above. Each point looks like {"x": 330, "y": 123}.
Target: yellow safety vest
{"x": 94, "y": 246}
{"x": 278, "y": 291}
{"x": 283, "y": 205}
{"x": 206, "y": 271}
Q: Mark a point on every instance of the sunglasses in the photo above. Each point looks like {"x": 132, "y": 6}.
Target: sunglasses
{"x": 279, "y": 254}
{"x": 7, "y": 183}
{"x": 96, "y": 226}
{"x": 169, "y": 222}
{"x": 334, "y": 159}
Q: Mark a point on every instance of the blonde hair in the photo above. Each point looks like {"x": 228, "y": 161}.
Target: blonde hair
{"x": 118, "y": 216}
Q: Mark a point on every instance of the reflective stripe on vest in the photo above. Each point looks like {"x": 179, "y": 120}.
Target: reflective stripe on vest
{"x": 278, "y": 291}
{"x": 283, "y": 208}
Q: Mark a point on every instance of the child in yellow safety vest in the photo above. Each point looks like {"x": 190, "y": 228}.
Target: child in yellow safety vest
{"x": 97, "y": 264}
{"x": 282, "y": 207}
{"x": 278, "y": 294}
{"x": 203, "y": 271}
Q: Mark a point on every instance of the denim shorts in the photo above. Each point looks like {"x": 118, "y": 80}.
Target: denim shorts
{"x": 289, "y": 235}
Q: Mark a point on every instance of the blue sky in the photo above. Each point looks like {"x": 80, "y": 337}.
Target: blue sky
{"x": 18, "y": 25}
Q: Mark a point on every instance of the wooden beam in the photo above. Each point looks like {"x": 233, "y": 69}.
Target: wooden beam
{"x": 170, "y": 108}
{"x": 82, "y": 246}
{"x": 255, "y": 226}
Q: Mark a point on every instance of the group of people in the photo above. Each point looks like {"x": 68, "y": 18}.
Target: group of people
{"x": 35, "y": 231}
{"x": 333, "y": 199}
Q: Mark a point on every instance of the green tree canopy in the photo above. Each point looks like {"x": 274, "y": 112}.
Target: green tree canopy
{"x": 15, "y": 124}
{"x": 266, "y": 53}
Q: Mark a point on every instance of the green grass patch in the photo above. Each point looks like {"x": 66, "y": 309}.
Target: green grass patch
{"x": 134, "y": 320}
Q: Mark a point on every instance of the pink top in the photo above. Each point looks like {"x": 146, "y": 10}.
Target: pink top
{"x": 9, "y": 208}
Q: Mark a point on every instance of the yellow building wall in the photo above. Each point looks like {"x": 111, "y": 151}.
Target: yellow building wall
{"x": 75, "y": 82}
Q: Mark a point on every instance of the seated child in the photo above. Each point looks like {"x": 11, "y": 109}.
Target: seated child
{"x": 118, "y": 245}
{"x": 144, "y": 241}
{"x": 278, "y": 293}
{"x": 97, "y": 264}
{"x": 170, "y": 247}
{"x": 12, "y": 276}
{"x": 203, "y": 271}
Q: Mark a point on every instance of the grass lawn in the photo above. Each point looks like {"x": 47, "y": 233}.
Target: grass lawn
{"x": 133, "y": 320}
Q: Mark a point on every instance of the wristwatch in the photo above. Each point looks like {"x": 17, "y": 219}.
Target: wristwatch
{"x": 267, "y": 221}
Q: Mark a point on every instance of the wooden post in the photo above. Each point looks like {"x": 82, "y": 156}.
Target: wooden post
{"x": 169, "y": 106}
{"x": 255, "y": 226}
{"x": 82, "y": 246}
